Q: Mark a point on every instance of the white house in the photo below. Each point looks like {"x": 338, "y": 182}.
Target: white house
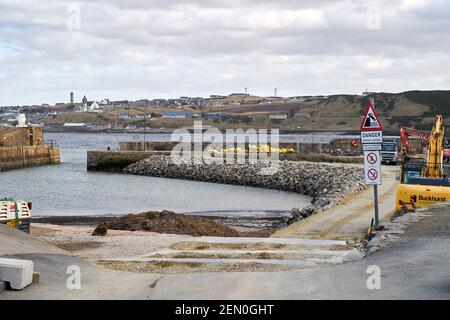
{"x": 94, "y": 107}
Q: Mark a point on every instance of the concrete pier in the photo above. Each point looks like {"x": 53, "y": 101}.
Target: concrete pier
{"x": 23, "y": 157}
{"x": 98, "y": 160}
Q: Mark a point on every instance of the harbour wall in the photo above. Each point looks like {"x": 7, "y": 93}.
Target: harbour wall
{"x": 129, "y": 152}
{"x": 98, "y": 160}
{"x": 114, "y": 160}
{"x": 28, "y": 156}
{"x": 343, "y": 147}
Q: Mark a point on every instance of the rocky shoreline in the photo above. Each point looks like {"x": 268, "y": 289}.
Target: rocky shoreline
{"x": 326, "y": 184}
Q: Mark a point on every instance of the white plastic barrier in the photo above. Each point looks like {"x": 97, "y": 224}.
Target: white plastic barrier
{"x": 19, "y": 273}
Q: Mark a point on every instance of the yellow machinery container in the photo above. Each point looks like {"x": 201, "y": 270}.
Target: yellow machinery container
{"x": 420, "y": 195}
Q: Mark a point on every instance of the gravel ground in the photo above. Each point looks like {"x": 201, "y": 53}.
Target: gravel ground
{"x": 428, "y": 222}
{"x": 437, "y": 224}
{"x": 117, "y": 244}
{"x": 174, "y": 268}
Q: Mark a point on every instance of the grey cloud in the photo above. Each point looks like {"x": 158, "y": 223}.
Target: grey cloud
{"x": 133, "y": 49}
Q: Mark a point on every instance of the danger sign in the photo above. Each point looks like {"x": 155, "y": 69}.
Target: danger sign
{"x": 372, "y": 167}
{"x": 371, "y": 122}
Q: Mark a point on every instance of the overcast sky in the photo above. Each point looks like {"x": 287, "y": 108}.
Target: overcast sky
{"x": 136, "y": 49}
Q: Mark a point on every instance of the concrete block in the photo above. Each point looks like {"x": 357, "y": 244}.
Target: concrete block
{"x": 19, "y": 273}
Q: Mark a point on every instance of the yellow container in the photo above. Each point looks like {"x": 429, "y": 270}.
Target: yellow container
{"x": 422, "y": 196}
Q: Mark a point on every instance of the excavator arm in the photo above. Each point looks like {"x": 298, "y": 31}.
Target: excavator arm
{"x": 405, "y": 133}
{"x": 435, "y": 157}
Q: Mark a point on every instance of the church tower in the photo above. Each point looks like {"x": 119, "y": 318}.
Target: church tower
{"x": 84, "y": 104}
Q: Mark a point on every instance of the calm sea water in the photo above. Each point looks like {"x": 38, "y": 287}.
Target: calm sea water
{"x": 68, "y": 189}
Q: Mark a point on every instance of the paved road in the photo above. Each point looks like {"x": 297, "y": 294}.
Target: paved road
{"x": 416, "y": 269}
{"x": 410, "y": 270}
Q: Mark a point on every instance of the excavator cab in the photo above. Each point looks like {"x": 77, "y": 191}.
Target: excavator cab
{"x": 411, "y": 168}
{"x": 447, "y": 152}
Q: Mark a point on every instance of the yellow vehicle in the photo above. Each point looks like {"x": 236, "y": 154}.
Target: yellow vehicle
{"x": 425, "y": 182}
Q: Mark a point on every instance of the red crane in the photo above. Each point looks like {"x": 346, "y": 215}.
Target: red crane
{"x": 405, "y": 133}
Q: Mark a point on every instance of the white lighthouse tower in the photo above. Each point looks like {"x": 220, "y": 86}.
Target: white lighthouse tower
{"x": 22, "y": 120}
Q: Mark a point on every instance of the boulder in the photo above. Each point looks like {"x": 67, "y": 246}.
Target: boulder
{"x": 100, "y": 230}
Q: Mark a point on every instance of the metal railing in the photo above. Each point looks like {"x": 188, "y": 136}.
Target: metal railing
{"x": 51, "y": 143}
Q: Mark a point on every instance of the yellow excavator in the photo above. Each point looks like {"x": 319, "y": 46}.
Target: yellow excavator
{"x": 424, "y": 182}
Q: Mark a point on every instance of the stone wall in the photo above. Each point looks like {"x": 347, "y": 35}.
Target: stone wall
{"x": 326, "y": 184}
{"x": 314, "y": 157}
{"x": 335, "y": 147}
{"x": 27, "y": 156}
{"x": 144, "y": 146}
{"x": 28, "y": 136}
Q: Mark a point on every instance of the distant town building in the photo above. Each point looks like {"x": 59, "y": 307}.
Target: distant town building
{"x": 104, "y": 102}
{"x": 216, "y": 96}
{"x": 71, "y": 98}
{"x": 125, "y": 115}
{"x": 76, "y": 125}
{"x": 278, "y": 116}
{"x": 238, "y": 94}
{"x": 94, "y": 107}
{"x": 177, "y": 115}
{"x": 302, "y": 115}
{"x": 212, "y": 115}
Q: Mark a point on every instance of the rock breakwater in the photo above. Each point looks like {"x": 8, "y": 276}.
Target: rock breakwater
{"x": 326, "y": 184}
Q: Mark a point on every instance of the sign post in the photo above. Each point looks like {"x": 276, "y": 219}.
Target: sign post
{"x": 371, "y": 138}
{"x": 375, "y": 198}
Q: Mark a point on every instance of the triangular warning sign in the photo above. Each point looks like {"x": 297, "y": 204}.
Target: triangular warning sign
{"x": 371, "y": 122}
